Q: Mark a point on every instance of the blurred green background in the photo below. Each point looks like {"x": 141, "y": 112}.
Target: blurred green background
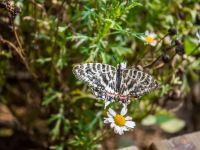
{"x": 43, "y": 106}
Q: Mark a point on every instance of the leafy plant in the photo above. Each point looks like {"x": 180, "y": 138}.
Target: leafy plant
{"x": 50, "y": 36}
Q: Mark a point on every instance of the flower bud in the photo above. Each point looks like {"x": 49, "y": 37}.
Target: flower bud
{"x": 181, "y": 15}
{"x": 180, "y": 49}
{"x": 15, "y": 12}
{"x": 177, "y": 42}
{"x": 165, "y": 58}
{"x": 172, "y": 31}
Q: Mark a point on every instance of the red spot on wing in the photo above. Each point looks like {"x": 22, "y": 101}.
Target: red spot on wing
{"x": 123, "y": 97}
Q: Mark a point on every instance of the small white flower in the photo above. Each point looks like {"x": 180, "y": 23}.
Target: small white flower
{"x": 119, "y": 122}
{"x": 149, "y": 38}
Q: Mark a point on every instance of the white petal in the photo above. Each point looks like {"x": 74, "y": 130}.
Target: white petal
{"x": 154, "y": 43}
{"x": 112, "y": 112}
{"x": 124, "y": 110}
{"x": 130, "y": 124}
{"x": 124, "y": 128}
{"x": 112, "y": 125}
{"x": 198, "y": 34}
{"x": 121, "y": 132}
{"x": 146, "y": 32}
{"x": 128, "y": 118}
{"x": 106, "y": 104}
{"x": 108, "y": 120}
{"x": 118, "y": 130}
{"x": 153, "y": 35}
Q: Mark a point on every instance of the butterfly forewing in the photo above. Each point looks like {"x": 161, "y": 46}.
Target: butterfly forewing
{"x": 136, "y": 83}
{"x": 100, "y": 77}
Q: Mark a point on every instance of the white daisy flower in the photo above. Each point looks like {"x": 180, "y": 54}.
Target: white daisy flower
{"x": 149, "y": 38}
{"x": 119, "y": 122}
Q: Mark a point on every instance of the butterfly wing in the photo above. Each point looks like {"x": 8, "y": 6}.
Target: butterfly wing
{"x": 136, "y": 83}
{"x": 100, "y": 77}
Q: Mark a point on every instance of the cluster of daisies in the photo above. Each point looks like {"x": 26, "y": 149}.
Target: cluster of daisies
{"x": 119, "y": 121}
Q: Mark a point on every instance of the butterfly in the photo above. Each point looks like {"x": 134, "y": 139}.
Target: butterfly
{"x": 115, "y": 83}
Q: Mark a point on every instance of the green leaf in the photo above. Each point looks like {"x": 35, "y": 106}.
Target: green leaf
{"x": 105, "y": 57}
{"x": 50, "y": 96}
{"x": 189, "y": 45}
{"x": 164, "y": 89}
{"x": 134, "y": 4}
{"x": 161, "y": 118}
{"x": 172, "y": 126}
{"x": 43, "y": 60}
{"x": 62, "y": 28}
{"x": 56, "y": 130}
{"x": 149, "y": 120}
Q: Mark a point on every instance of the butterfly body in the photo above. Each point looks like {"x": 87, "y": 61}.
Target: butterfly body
{"x": 118, "y": 78}
{"x": 110, "y": 83}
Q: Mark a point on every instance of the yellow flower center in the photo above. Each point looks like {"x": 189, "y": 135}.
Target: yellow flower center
{"x": 149, "y": 39}
{"x": 119, "y": 120}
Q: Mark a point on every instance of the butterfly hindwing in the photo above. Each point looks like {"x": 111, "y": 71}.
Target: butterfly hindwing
{"x": 136, "y": 83}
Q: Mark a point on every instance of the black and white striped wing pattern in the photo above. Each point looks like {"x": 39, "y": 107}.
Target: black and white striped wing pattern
{"x": 100, "y": 78}
{"x": 136, "y": 83}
